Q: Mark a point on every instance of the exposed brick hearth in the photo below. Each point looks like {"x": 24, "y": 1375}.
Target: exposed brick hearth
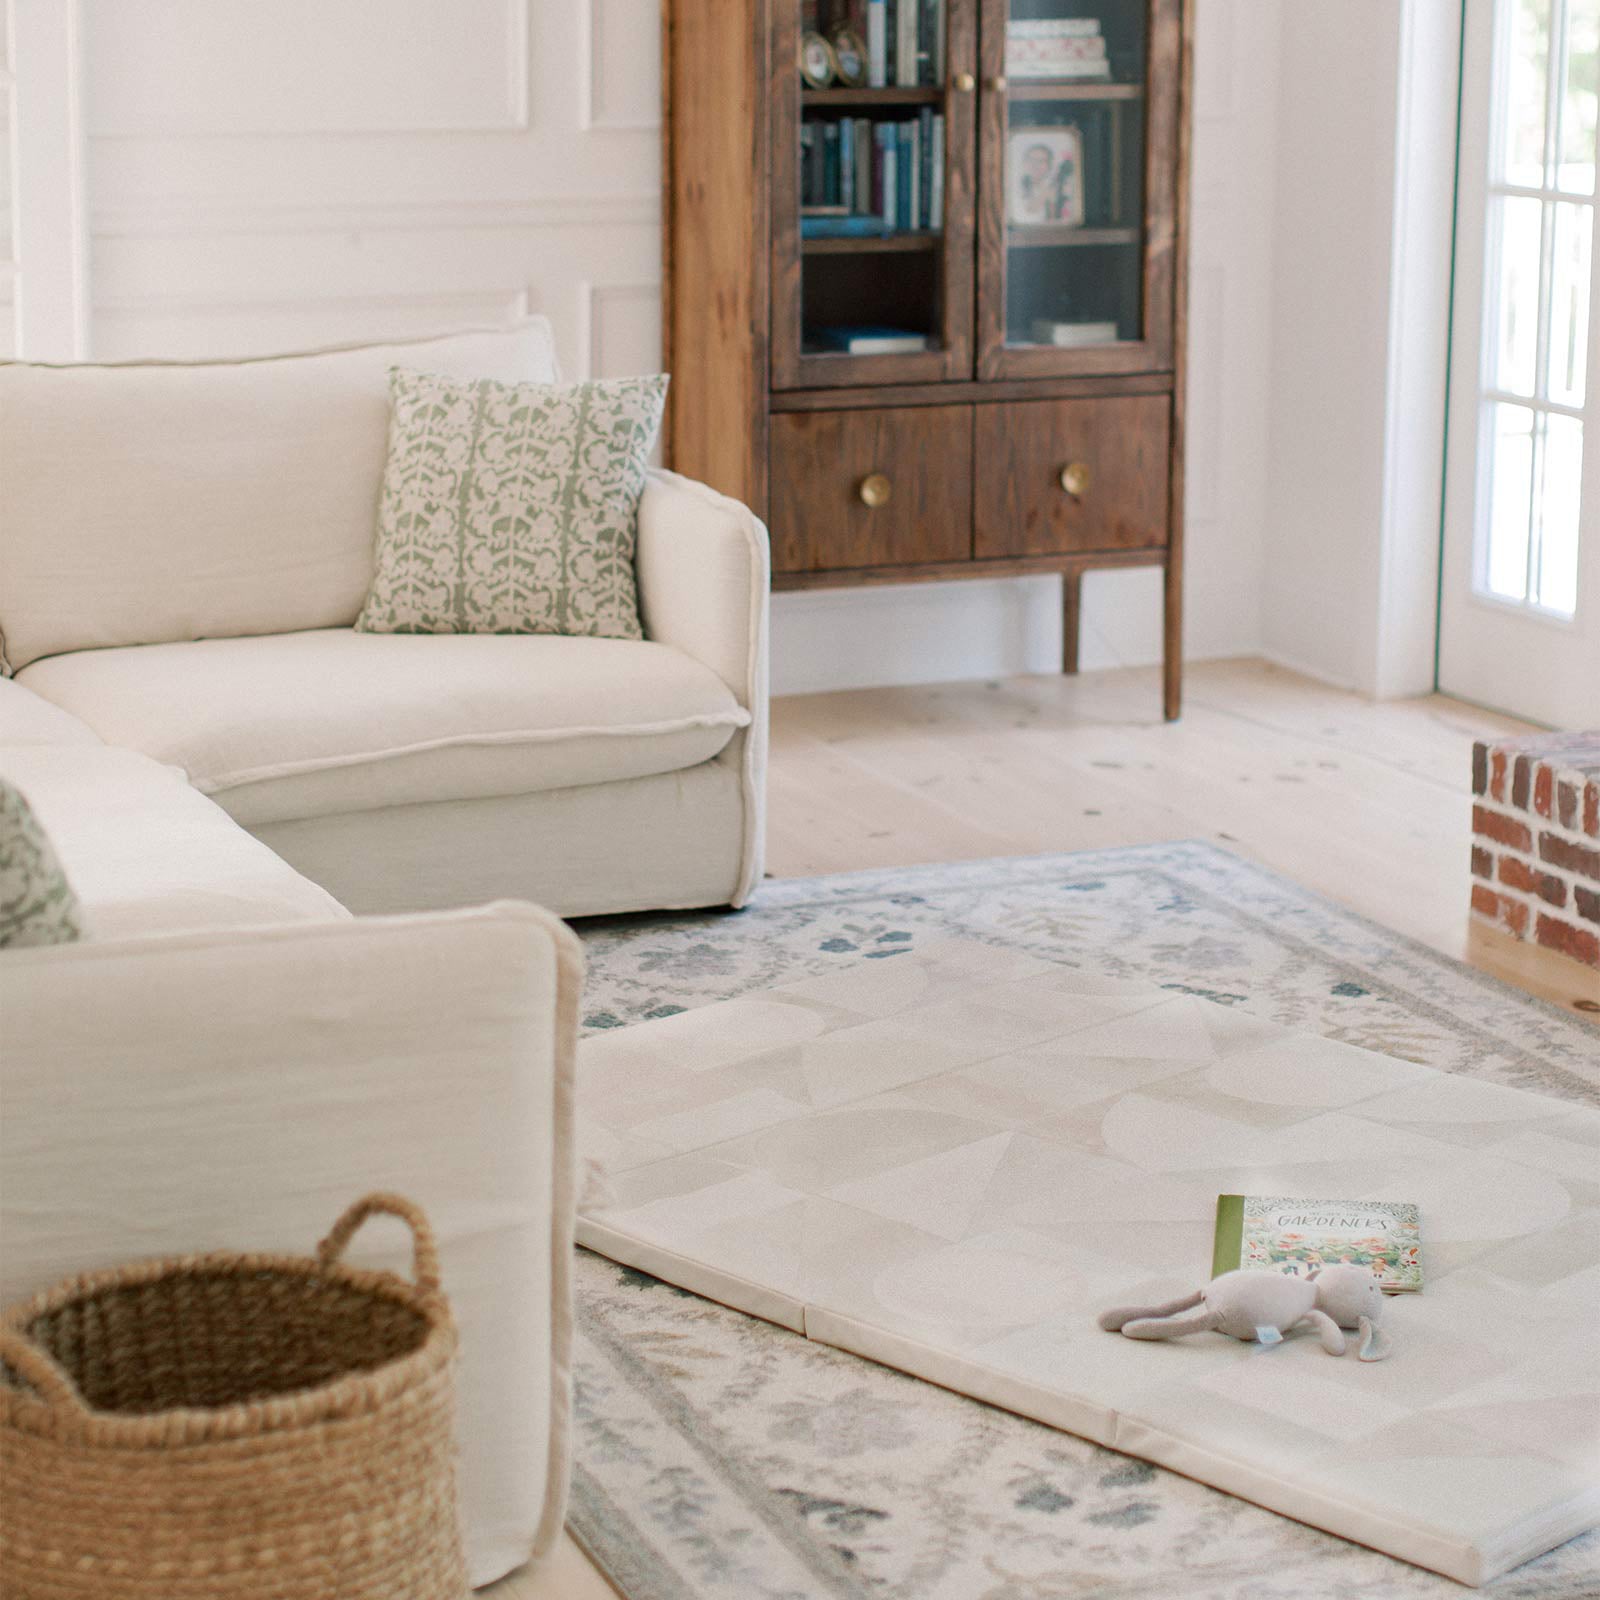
{"x": 1536, "y": 841}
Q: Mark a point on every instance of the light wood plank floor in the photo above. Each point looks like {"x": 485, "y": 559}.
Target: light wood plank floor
{"x": 1367, "y": 803}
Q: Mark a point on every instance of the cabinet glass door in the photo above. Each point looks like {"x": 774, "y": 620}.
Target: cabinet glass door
{"x": 874, "y": 103}
{"x": 1078, "y": 119}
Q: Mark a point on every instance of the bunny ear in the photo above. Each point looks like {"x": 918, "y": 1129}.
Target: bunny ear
{"x": 1374, "y": 1344}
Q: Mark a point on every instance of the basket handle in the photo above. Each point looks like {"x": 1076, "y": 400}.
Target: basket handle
{"x": 23, "y": 1356}
{"x": 425, "y": 1251}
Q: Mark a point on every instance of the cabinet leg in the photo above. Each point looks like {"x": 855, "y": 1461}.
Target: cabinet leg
{"x": 1071, "y": 603}
{"x": 1172, "y": 643}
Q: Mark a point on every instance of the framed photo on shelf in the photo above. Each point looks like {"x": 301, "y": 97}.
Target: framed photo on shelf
{"x": 1044, "y": 177}
{"x": 849, "y": 58}
{"x": 817, "y": 62}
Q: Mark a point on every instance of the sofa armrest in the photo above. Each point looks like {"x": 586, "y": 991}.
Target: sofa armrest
{"x": 704, "y": 579}
{"x": 704, "y": 586}
{"x": 237, "y": 1089}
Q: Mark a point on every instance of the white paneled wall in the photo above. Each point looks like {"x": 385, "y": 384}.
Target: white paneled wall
{"x": 8, "y": 217}
{"x": 267, "y": 176}
{"x": 262, "y": 176}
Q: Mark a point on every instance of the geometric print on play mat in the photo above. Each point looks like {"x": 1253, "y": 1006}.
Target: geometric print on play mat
{"x": 947, "y": 1161}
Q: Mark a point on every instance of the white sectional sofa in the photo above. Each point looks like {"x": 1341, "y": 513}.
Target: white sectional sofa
{"x": 230, "y": 1057}
{"x": 183, "y": 550}
{"x": 227, "y": 772}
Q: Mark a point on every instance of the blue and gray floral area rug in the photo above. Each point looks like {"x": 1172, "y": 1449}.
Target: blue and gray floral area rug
{"x": 721, "y": 1458}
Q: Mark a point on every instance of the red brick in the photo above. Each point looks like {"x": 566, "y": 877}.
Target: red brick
{"x": 1502, "y": 829}
{"x": 1515, "y": 873}
{"x": 1482, "y": 862}
{"x": 1509, "y": 913}
{"x": 1567, "y": 804}
{"x": 1480, "y": 767}
{"x": 1587, "y": 902}
{"x": 1543, "y": 789}
{"x": 1591, "y": 810}
{"x": 1579, "y": 858}
{"x": 1521, "y": 772}
{"x": 1497, "y": 774}
{"x": 1579, "y": 943}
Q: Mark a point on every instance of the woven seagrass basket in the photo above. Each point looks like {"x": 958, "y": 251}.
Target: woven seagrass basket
{"x": 233, "y": 1427}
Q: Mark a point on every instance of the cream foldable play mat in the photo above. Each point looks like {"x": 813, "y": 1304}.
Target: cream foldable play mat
{"x": 949, "y": 1161}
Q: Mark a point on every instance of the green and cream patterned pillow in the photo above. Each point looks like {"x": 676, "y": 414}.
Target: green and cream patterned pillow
{"x": 512, "y": 507}
{"x": 37, "y": 904}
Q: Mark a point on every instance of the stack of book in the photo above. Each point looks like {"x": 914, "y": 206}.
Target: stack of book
{"x": 1072, "y": 48}
{"x": 889, "y": 175}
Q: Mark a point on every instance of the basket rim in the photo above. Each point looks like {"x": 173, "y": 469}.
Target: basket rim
{"x": 345, "y": 1395}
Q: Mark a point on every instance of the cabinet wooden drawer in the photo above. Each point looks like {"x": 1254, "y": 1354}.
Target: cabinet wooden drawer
{"x": 1059, "y": 476}
{"x": 870, "y": 488}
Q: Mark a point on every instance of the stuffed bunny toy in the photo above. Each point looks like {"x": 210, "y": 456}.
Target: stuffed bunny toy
{"x": 1264, "y": 1306}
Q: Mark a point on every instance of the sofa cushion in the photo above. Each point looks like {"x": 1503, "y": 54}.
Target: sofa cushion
{"x": 37, "y": 902}
{"x": 310, "y": 724}
{"x": 512, "y": 507}
{"x": 147, "y": 854}
{"x": 28, "y": 718}
{"x": 180, "y": 500}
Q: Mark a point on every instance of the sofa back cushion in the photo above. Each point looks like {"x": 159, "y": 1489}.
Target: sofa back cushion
{"x": 155, "y": 501}
{"x": 28, "y": 718}
{"x": 145, "y": 853}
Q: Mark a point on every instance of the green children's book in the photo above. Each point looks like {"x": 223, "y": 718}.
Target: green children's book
{"x": 1296, "y": 1237}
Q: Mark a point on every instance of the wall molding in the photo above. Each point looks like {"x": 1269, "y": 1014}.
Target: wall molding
{"x": 513, "y": 116}
{"x": 209, "y": 217}
{"x": 49, "y": 238}
{"x": 591, "y": 63}
{"x": 517, "y": 302}
{"x": 593, "y": 300}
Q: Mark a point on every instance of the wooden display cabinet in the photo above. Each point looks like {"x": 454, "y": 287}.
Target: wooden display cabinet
{"x": 1002, "y": 205}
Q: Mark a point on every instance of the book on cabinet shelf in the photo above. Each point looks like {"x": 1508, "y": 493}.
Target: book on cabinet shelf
{"x": 1073, "y": 335}
{"x": 870, "y": 341}
{"x": 904, "y": 39}
{"x": 1069, "y": 48}
{"x": 892, "y": 170}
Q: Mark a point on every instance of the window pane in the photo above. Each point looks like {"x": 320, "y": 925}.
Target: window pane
{"x": 1557, "y": 578}
{"x": 1074, "y": 171}
{"x": 1514, "y": 249}
{"x": 1578, "y": 105}
{"x": 1527, "y": 67}
{"x": 1510, "y": 441}
{"x": 1569, "y": 302}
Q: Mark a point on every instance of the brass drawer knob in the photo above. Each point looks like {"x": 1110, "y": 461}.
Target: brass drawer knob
{"x": 964, "y": 83}
{"x": 1075, "y": 479}
{"x": 997, "y": 85}
{"x": 874, "y": 491}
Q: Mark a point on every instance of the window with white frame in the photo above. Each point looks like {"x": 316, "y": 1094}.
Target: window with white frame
{"x": 1536, "y": 301}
